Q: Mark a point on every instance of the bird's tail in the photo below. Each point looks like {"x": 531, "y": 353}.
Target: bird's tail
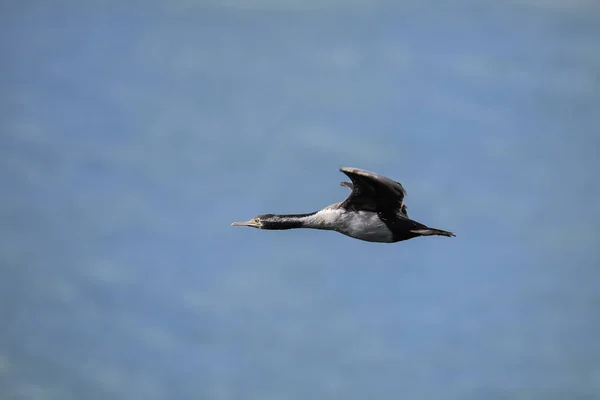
{"x": 432, "y": 232}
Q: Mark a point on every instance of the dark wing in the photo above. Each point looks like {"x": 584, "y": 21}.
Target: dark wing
{"x": 373, "y": 192}
{"x": 350, "y": 186}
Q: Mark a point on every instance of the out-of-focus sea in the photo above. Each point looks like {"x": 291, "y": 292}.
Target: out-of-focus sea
{"x": 133, "y": 133}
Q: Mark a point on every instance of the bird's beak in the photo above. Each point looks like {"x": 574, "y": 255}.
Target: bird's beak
{"x": 253, "y": 223}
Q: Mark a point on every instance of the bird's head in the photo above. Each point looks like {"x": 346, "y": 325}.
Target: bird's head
{"x": 265, "y": 221}
{"x": 274, "y": 221}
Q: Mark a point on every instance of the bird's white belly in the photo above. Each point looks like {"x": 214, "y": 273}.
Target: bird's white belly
{"x": 362, "y": 225}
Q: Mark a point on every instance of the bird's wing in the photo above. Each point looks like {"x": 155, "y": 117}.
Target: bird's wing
{"x": 350, "y": 186}
{"x": 373, "y": 192}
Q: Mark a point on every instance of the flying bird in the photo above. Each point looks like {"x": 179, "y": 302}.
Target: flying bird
{"x": 374, "y": 212}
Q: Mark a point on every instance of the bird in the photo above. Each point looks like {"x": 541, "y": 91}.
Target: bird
{"x": 373, "y": 212}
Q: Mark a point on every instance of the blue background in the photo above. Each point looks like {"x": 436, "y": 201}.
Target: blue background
{"x": 134, "y": 133}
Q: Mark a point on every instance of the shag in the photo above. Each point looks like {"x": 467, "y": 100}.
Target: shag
{"x": 374, "y": 212}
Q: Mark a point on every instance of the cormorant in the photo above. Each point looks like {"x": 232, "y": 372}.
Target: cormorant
{"x": 373, "y": 212}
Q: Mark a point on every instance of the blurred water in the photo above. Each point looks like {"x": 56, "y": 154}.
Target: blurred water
{"x": 134, "y": 134}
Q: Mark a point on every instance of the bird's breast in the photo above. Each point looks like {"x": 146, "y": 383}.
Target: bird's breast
{"x": 363, "y": 225}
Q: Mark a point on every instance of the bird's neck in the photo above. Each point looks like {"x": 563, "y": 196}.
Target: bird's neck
{"x": 293, "y": 221}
